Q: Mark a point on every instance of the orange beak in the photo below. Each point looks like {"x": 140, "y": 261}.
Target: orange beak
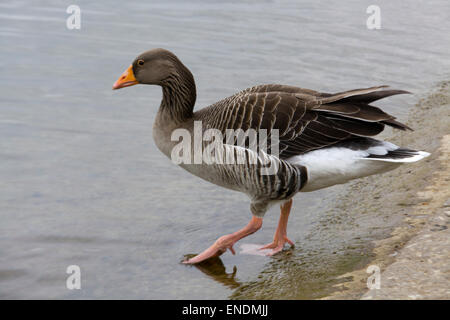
{"x": 126, "y": 79}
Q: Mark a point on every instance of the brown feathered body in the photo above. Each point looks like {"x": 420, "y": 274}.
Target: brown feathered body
{"x": 323, "y": 139}
{"x": 306, "y": 121}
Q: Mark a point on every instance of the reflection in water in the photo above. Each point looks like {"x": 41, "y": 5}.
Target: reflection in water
{"x": 305, "y": 271}
{"x": 215, "y": 269}
{"x": 300, "y": 274}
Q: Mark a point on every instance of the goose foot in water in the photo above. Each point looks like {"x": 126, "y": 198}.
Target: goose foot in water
{"x": 280, "y": 238}
{"x": 226, "y": 242}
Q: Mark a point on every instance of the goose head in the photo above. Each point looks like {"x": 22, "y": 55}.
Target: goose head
{"x": 151, "y": 67}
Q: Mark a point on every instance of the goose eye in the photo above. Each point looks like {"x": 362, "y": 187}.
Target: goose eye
{"x": 140, "y": 62}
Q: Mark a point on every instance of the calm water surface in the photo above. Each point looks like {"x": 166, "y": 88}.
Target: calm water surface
{"x": 82, "y": 182}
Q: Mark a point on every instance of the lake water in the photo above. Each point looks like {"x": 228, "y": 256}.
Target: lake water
{"x": 82, "y": 183}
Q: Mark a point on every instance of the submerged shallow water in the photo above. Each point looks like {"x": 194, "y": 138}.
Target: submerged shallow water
{"x": 82, "y": 182}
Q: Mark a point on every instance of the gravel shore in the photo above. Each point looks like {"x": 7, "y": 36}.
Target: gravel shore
{"x": 421, "y": 269}
{"x": 414, "y": 260}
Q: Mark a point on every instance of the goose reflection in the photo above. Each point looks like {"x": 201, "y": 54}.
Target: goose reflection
{"x": 215, "y": 269}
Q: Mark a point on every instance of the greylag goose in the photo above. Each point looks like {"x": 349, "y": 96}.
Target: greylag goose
{"x": 321, "y": 140}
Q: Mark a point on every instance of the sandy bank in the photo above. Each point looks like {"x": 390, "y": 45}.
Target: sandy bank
{"x": 421, "y": 269}
{"x": 414, "y": 259}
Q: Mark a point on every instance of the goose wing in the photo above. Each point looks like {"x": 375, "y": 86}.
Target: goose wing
{"x": 305, "y": 119}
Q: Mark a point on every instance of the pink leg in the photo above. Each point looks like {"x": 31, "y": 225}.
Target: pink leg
{"x": 226, "y": 242}
{"x": 280, "y": 237}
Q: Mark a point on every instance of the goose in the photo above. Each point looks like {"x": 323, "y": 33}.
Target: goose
{"x": 322, "y": 140}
